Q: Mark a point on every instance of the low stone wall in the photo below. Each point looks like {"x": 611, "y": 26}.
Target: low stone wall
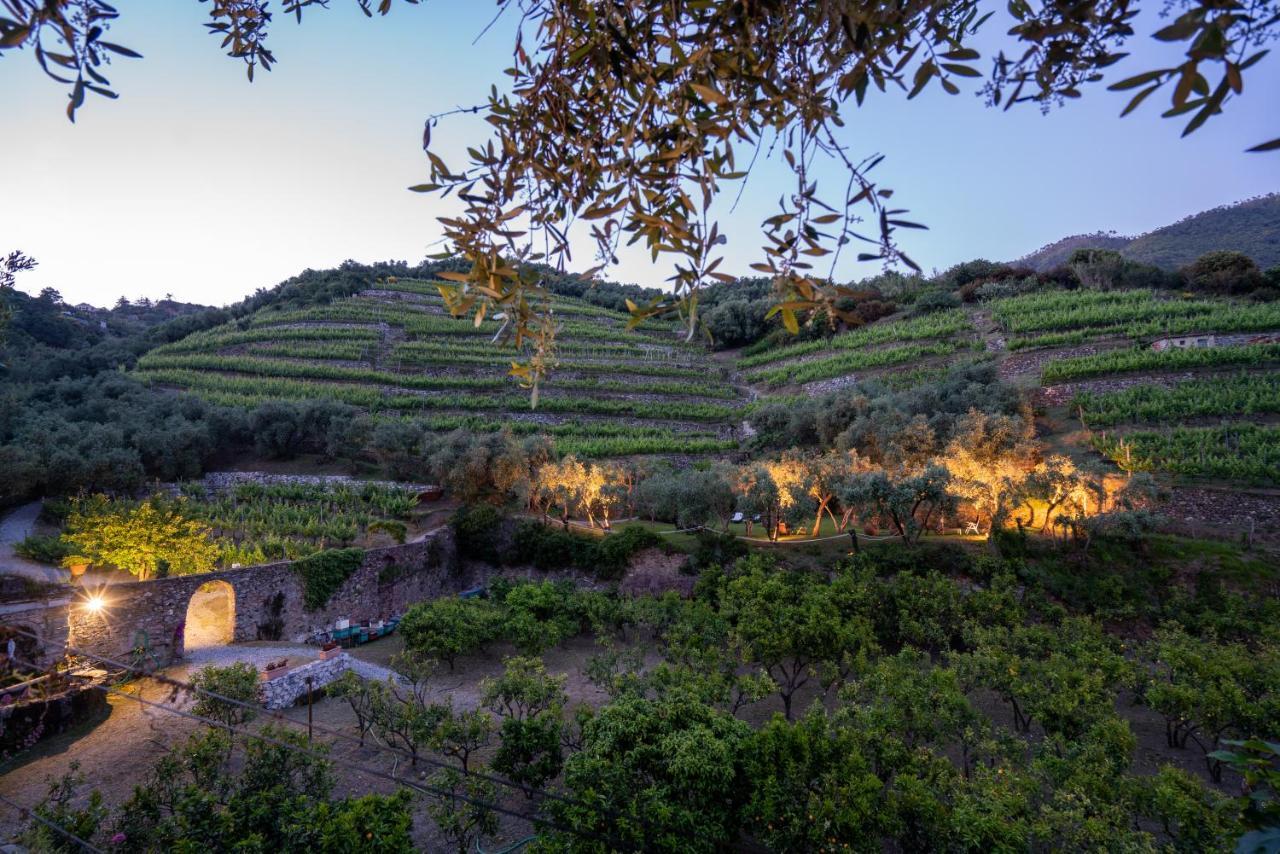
{"x": 1223, "y": 514}
{"x": 285, "y": 691}
{"x": 146, "y": 620}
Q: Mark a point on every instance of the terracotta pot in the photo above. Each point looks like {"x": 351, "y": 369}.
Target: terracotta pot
{"x": 78, "y": 569}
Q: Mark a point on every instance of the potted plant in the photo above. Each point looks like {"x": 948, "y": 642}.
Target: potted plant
{"x": 78, "y": 564}
{"x": 275, "y": 669}
{"x": 330, "y": 650}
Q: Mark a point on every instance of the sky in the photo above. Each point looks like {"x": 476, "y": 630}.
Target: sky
{"x": 200, "y": 185}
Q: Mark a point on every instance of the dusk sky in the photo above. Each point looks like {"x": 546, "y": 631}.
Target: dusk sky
{"x": 198, "y": 184}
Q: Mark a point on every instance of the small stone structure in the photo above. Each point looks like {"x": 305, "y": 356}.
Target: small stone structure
{"x": 1211, "y": 339}
{"x": 147, "y": 618}
{"x": 285, "y": 691}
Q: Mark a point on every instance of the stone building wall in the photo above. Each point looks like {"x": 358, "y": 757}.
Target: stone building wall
{"x": 149, "y": 615}
{"x": 48, "y": 618}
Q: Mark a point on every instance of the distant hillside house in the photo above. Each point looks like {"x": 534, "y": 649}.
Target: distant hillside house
{"x": 1239, "y": 339}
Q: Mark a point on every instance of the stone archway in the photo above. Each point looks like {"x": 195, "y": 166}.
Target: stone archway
{"x": 211, "y": 616}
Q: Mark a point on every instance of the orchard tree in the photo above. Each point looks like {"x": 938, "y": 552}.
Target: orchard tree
{"x": 276, "y": 795}
{"x": 988, "y": 458}
{"x": 530, "y": 702}
{"x": 910, "y": 503}
{"x": 1209, "y": 692}
{"x": 663, "y": 775}
{"x": 1065, "y": 677}
{"x": 903, "y": 703}
{"x": 760, "y": 496}
{"x": 460, "y": 808}
{"x": 635, "y": 117}
{"x": 813, "y": 787}
{"x": 461, "y": 734}
{"x": 789, "y": 623}
{"x": 443, "y": 629}
{"x": 238, "y": 683}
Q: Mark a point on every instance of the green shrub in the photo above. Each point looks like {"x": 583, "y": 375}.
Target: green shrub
{"x": 50, "y": 550}
{"x": 397, "y": 530}
{"x": 323, "y": 573}
{"x": 547, "y": 548}
{"x": 616, "y": 550}
{"x": 607, "y": 558}
{"x": 476, "y": 529}
{"x": 715, "y": 549}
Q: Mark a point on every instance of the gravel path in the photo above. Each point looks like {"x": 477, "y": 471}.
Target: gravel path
{"x": 15, "y": 528}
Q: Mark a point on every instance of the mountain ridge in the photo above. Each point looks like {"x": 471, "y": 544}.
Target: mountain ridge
{"x": 1250, "y": 226}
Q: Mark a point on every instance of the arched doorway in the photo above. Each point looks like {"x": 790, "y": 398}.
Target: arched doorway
{"x": 211, "y": 616}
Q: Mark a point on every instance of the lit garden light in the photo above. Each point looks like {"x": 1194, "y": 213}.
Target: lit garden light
{"x": 94, "y": 602}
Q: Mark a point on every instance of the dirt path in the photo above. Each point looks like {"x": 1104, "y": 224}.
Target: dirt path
{"x": 15, "y": 528}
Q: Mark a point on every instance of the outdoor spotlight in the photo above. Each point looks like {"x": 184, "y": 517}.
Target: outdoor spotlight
{"x": 95, "y": 603}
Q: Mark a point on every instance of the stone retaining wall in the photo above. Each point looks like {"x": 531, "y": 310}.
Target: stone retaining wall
{"x": 285, "y": 691}
{"x": 1223, "y": 514}
{"x": 151, "y": 615}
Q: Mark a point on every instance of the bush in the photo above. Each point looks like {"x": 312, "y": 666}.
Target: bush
{"x": 476, "y": 528}
{"x": 932, "y": 301}
{"x": 1224, "y": 272}
{"x": 549, "y": 548}
{"x": 616, "y": 550}
{"x": 398, "y": 531}
{"x": 237, "y": 682}
{"x": 50, "y": 550}
{"x": 323, "y": 573}
{"x": 716, "y": 549}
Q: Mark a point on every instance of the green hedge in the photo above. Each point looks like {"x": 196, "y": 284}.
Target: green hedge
{"x": 607, "y": 558}
{"x": 323, "y": 573}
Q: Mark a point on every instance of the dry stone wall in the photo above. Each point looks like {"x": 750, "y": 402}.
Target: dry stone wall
{"x": 285, "y": 691}
{"x": 147, "y": 619}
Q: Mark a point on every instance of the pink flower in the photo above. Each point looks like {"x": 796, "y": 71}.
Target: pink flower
{"x": 118, "y": 839}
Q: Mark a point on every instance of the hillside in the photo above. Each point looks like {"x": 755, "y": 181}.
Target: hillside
{"x": 393, "y": 352}
{"x": 1251, "y": 227}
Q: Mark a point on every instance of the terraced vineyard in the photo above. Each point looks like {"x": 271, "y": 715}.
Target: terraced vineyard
{"x": 1218, "y": 365}
{"x": 881, "y": 348}
{"x": 1064, "y": 318}
{"x": 1245, "y": 453}
{"x": 395, "y": 352}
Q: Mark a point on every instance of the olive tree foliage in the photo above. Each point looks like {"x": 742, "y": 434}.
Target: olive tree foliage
{"x": 634, "y": 116}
